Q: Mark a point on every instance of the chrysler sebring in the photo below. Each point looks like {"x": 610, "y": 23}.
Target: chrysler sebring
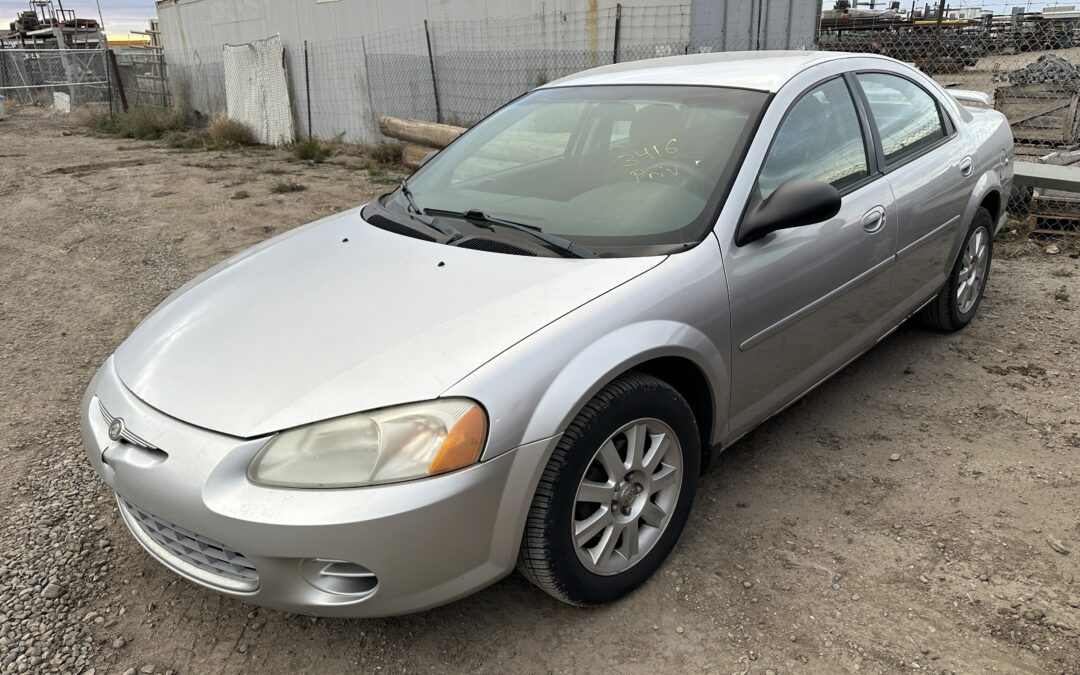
{"x": 527, "y": 353}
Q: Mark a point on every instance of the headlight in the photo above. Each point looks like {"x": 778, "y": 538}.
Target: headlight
{"x": 395, "y": 444}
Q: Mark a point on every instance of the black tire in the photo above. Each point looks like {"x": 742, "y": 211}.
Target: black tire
{"x": 943, "y": 313}
{"x": 549, "y": 557}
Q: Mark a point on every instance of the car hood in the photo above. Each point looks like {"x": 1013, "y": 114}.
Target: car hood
{"x": 339, "y": 317}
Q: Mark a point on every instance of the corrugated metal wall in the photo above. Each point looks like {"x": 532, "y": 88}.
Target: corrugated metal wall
{"x": 369, "y": 57}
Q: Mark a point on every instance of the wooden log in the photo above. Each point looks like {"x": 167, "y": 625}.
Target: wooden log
{"x": 413, "y": 155}
{"x": 416, "y": 131}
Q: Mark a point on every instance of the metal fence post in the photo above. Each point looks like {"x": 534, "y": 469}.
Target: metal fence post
{"x": 434, "y": 82}
{"x": 119, "y": 80}
{"x": 307, "y": 89}
{"x": 108, "y": 80}
{"x": 618, "y": 29}
{"x": 367, "y": 78}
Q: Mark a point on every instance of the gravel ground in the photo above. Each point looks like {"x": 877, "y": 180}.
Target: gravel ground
{"x": 918, "y": 512}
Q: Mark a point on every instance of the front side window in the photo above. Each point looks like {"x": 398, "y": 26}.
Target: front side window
{"x": 907, "y": 118}
{"x": 820, "y": 139}
{"x": 613, "y": 168}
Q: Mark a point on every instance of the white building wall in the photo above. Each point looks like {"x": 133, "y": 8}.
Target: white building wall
{"x": 487, "y": 51}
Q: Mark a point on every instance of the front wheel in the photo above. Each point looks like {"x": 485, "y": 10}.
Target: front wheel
{"x": 957, "y": 303}
{"x": 615, "y": 494}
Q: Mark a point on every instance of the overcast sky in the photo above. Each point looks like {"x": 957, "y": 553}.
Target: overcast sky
{"x": 122, "y": 16}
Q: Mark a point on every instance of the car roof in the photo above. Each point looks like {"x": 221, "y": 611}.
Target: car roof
{"x": 761, "y": 70}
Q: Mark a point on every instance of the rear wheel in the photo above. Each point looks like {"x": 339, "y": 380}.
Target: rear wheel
{"x": 615, "y": 495}
{"x": 958, "y": 302}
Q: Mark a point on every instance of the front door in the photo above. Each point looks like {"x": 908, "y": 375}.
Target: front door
{"x": 806, "y": 300}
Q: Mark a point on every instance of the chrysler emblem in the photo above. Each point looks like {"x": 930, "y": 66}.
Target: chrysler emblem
{"x": 116, "y": 429}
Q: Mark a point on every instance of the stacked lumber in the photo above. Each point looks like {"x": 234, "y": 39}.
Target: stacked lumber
{"x": 422, "y": 139}
{"x": 1042, "y": 102}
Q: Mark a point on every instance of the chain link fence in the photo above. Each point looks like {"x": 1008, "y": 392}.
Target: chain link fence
{"x": 56, "y": 77}
{"x": 66, "y": 79}
{"x": 1027, "y": 63}
{"x": 142, "y": 77}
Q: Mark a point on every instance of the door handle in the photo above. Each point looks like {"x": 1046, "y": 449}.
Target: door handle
{"x": 874, "y": 220}
{"x": 966, "y": 166}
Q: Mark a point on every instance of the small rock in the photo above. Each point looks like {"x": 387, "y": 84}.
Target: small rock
{"x": 119, "y": 643}
{"x": 679, "y": 630}
{"x": 747, "y": 584}
{"x": 1054, "y": 544}
{"x": 1053, "y": 249}
{"x": 655, "y": 627}
{"x": 131, "y": 671}
{"x": 895, "y": 457}
{"x": 53, "y": 591}
{"x": 856, "y": 596}
{"x": 148, "y": 669}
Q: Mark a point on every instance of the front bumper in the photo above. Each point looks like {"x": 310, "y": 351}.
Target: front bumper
{"x": 427, "y": 542}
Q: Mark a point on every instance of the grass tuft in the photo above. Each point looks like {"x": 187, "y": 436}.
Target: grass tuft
{"x": 385, "y": 153}
{"x": 176, "y": 128}
{"x": 310, "y": 151}
{"x": 227, "y": 134}
{"x": 287, "y": 186}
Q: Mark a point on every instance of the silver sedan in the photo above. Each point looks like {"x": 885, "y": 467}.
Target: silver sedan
{"x": 527, "y": 354}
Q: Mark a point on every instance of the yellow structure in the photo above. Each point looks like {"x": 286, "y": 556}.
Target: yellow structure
{"x": 129, "y": 40}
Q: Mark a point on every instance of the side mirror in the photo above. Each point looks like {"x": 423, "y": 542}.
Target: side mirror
{"x": 794, "y": 204}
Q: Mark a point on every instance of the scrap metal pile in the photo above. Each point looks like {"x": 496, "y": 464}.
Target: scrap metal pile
{"x": 1048, "y": 69}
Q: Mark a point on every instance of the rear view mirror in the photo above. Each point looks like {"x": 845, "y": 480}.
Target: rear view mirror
{"x": 794, "y": 204}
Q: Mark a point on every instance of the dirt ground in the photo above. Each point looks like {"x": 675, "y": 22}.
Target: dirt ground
{"x": 809, "y": 549}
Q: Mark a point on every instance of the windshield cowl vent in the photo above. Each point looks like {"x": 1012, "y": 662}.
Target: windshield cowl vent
{"x": 494, "y": 246}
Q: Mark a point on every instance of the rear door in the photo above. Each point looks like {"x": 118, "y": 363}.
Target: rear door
{"x": 806, "y": 300}
{"x": 930, "y": 169}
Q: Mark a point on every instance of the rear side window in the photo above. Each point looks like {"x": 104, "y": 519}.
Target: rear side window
{"x": 820, "y": 139}
{"x": 908, "y": 119}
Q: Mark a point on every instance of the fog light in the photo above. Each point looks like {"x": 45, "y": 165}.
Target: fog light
{"x": 339, "y": 577}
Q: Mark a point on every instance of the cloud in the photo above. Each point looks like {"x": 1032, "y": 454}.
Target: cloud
{"x": 120, "y": 16}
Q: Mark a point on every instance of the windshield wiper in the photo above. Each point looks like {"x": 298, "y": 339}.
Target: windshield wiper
{"x": 407, "y": 193}
{"x": 416, "y": 213}
{"x": 557, "y": 242}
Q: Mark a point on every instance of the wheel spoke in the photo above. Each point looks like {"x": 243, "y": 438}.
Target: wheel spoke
{"x": 652, "y": 514}
{"x": 630, "y": 543}
{"x": 602, "y": 551}
{"x": 584, "y": 530}
{"x": 660, "y": 445}
{"x": 635, "y": 446}
{"x": 664, "y": 478}
{"x": 593, "y": 492}
{"x": 613, "y": 464}
{"x": 961, "y": 292}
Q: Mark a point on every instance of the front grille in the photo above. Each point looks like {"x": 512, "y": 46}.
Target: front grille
{"x": 494, "y": 246}
{"x": 216, "y": 562}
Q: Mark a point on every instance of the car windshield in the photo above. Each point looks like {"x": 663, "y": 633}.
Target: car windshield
{"x": 623, "y": 170}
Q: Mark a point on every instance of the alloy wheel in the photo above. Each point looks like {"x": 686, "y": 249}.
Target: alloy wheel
{"x": 973, "y": 269}
{"x": 627, "y": 496}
